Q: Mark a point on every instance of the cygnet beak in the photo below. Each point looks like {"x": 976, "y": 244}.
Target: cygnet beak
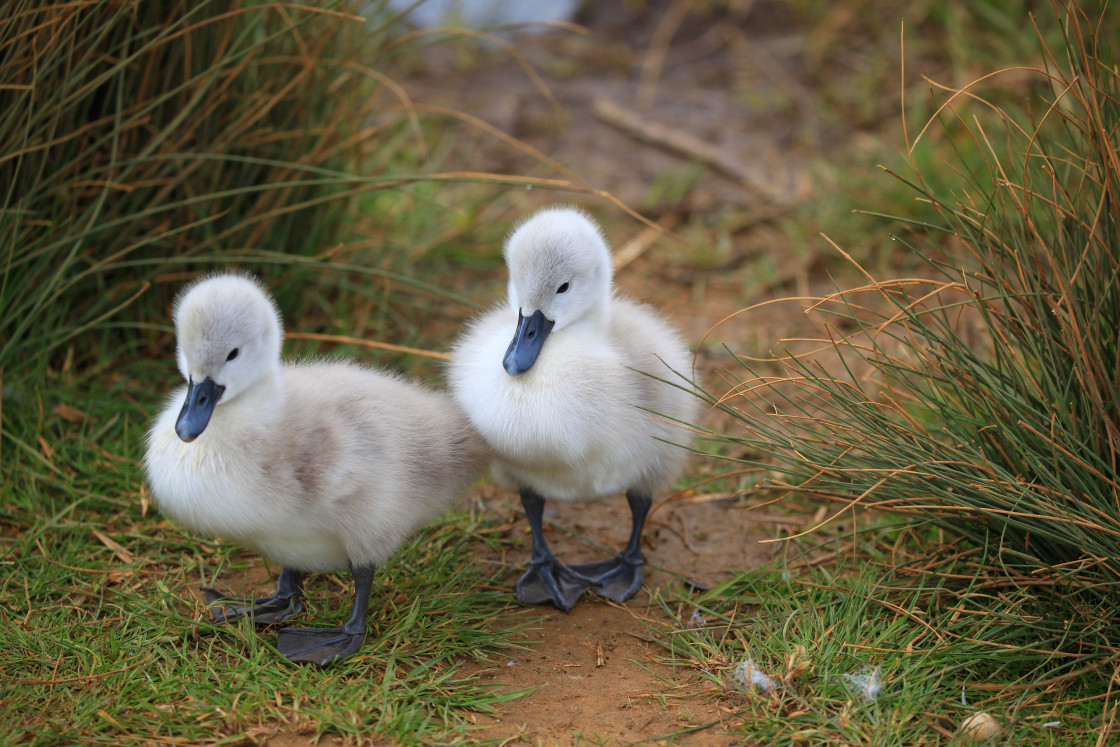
{"x": 527, "y": 342}
{"x": 199, "y": 406}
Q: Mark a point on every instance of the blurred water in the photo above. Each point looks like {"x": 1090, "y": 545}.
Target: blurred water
{"x": 483, "y": 14}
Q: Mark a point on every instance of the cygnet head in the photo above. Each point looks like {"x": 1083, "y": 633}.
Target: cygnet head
{"x": 228, "y": 335}
{"x": 559, "y": 276}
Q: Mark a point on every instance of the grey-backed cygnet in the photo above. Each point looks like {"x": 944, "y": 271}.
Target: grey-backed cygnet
{"x": 316, "y": 465}
{"x": 573, "y": 406}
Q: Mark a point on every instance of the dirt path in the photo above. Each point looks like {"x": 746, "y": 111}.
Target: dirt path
{"x": 595, "y": 673}
{"x": 594, "y": 678}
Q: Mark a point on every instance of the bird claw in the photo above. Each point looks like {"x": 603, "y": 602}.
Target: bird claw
{"x": 617, "y": 579}
{"x": 551, "y": 580}
{"x": 322, "y": 646}
{"x": 263, "y": 610}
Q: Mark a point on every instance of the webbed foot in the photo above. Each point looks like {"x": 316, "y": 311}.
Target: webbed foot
{"x": 617, "y": 579}
{"x": 284, "y": 603}
{"x": 263, "y": 610}
{"x": 322, "y": 646}
{"x": 551, "y": 580}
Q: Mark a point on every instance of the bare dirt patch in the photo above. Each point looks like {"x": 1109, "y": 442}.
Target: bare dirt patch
{"x": 594, "y": 677}
{"x": 595, "y": 672}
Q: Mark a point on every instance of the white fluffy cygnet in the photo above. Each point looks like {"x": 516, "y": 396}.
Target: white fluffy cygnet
{"x": 585, "y": 402}
{"x": 316, "y": 465}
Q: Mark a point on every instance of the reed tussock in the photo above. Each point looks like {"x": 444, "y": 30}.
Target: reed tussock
{"x": 981, "y": 397}
{"x": 140, "y": 143}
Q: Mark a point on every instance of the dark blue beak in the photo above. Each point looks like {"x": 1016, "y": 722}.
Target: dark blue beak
{"x": 196, "y": 412}
{"x": 527, "y": 343}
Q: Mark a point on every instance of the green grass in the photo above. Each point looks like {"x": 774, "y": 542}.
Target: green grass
{"x": 105, "y": 646}
{"x": 945, "y": 639}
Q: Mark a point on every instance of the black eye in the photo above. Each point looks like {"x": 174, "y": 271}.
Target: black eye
{"x": 232, "y": 354}
{"x": 563, "y": 288}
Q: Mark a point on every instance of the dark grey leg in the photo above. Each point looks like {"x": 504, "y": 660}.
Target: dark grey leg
{"x": 324, "y": 646}
{"x": 619, "y": 578}
{"x": 547, "y": 578}
{"x": 264, "y": 610}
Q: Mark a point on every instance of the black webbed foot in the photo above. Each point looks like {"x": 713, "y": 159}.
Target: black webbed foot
{"x": 617, "y": 579}
{"x": 322, "y": 646}
{"x": 551, "y": 580}
{"x": 284, "y": 603}
{"x": 263, "y": 610}
{"x": 547, "y": 578}
{"x": 620, "y": 577}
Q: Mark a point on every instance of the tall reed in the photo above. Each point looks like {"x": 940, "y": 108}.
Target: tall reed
{"x": 140, "y": 140}
{"x": 982, "y": 397}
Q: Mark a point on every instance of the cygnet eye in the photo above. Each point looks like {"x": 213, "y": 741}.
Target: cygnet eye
{"x": 563, "y": 288}
{"x": 232, "y": 355}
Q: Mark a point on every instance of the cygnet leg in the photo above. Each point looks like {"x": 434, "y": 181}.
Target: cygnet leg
{"x": 547, "y": 578}
{"x": 264, "y": 610}
{"x": 324, "y": 646}
{"x": 619, "y": 578}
